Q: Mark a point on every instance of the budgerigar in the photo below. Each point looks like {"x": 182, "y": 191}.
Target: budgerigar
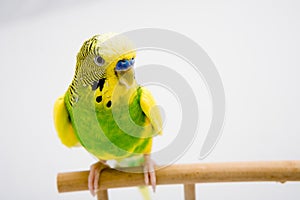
{"x": 105, "y": 110}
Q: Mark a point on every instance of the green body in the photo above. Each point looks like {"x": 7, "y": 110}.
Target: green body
{"x": 96, "y": 129}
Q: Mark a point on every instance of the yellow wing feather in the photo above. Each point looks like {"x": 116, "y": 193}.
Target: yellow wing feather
{"x": 151, "y": 110}
{"x": 63, "y": 124}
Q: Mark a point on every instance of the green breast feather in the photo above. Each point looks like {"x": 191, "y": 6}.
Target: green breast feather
{"x": 112, "y": 131}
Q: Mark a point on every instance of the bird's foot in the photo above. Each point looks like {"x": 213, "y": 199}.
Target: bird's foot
{"x": 94, "y": 176}
{"x": 149, "y": 172}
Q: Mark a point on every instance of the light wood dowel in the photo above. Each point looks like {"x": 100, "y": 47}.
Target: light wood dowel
{"x": 189, "y": 192}
{"x": 102, "y": 195}
{"x": 280, "y": 171}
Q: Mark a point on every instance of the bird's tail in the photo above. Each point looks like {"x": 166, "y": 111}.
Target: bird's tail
{"x": 134, "y": 162}
{"x": 145, "y": 192}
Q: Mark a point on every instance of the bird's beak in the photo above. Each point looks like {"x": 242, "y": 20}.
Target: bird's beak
{"x": 126, "y": 78}
{"x": 125, "y": 72}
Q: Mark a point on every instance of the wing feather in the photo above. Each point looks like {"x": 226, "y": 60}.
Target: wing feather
{"x": 151, "y": 110}
{"x": 63, "y": 124}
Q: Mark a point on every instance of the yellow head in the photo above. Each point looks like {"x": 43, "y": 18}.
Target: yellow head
{"x": 107, "y": 56}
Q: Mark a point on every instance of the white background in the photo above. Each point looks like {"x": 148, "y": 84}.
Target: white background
{"x": 254, "y": 45}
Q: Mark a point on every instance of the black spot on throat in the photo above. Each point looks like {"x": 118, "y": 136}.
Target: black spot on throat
{"x": 108, "y": 104}
{"x": 101, "y": 83}
{"x": 99, "y": 99}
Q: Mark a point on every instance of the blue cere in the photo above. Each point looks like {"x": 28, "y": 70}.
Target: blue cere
{"x": 123, "y": 65}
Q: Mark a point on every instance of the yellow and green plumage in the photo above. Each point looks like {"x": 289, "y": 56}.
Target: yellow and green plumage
{"x": 104, "y": 109}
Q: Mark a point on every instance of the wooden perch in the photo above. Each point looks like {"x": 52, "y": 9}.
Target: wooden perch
{"x": 188, "y": 174}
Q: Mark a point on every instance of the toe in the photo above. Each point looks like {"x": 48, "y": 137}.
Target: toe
{"x": 91, "y": 181}
{"x": 149, "y": 172}
{"x": 96, "y": 180}
{"x": 94, "y": 176}
{"x": 153, "y": 180}
{"x": 146, "y": 175}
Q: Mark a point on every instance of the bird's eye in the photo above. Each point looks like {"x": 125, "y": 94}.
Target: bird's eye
{"x": 99, "y": 61}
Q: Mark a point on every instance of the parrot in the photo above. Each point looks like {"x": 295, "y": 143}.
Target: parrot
{"x": 105, "y": 111}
